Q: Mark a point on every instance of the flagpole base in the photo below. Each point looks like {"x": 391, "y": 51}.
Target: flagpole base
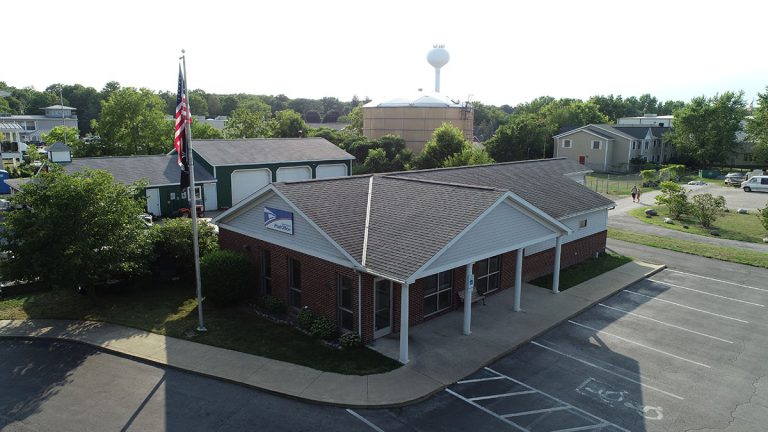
{"x": 201, "y": 329}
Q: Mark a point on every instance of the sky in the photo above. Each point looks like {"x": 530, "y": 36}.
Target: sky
{"x": 502, "y": 51}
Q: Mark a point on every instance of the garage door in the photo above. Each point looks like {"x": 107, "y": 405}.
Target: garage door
{"x": 246, "y": 182}
{"x": 335, "y": 170}
{"x": 294, "y": 173}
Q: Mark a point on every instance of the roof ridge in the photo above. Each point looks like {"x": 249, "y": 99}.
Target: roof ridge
{"x": 444, "y": 183}
{"x": 520, "y": 162}
{"x": 118, "y": 157}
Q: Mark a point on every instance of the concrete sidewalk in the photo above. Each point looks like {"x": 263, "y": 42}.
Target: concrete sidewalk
{"x": 440, "y": 354}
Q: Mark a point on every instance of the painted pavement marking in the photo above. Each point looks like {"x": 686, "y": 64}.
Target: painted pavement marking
{"x": 597, "y": 422}
{"x": 496, "y": 396}
{"x": 365, "y": 420}
{"x": 685, "y": 307}
{"x": 634, "y": 381}
{"x": 479, "y": 380}
{"x": 718, "y": 280}
{"x": 706, "y": 293}
{"x": 639, "y": 344}
{"x": 664, "y": 323}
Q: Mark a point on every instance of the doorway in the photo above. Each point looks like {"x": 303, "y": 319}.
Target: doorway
{"x": 382, "y": 307}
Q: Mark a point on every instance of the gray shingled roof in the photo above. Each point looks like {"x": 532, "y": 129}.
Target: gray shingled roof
{"x": 268, "y": 150}
{"x": 409, "y": 221}
{"x": 156, "y": 170}
{"x": 58, "y": 146}
{"x": 640, "y": 132}
{"x": 540, "y": 182}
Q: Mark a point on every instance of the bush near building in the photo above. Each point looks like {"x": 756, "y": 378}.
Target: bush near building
{"x": 225, "y": 275}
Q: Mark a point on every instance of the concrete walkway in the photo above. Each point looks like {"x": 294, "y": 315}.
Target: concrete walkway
{"x": 440, "y": 354}
{"x": 619, "y": 218}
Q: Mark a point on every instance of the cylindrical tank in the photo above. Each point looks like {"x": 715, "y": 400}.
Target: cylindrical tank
{"x": 4, "y": 188}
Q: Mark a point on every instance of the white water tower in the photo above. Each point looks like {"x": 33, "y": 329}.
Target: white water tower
{"x": 438, "y": 57}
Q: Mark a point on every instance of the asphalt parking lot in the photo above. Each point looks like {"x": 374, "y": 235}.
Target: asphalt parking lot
{"x": 675, "y": 352}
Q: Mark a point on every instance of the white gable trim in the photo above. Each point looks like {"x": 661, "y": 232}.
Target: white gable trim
{"x": 526, "y": 208}
{"x": 293, "y": 247}
{"x": 246, "y": 203}
{"x": 583, "y": 129}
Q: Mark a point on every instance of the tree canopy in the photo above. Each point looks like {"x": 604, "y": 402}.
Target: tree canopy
{"x": 76, "y": 229}
{"x": 132, "y": 122}
{"x": 705, "y": 129}
{"x": 757, "y": 128}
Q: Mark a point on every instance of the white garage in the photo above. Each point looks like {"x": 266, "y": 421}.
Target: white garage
{"x": 331, "y": 170}
{"x": 294, "y": 173}
{"x": 246, "y": 182}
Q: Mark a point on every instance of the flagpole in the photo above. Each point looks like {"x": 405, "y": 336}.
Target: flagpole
{"x": 193, "y": 199}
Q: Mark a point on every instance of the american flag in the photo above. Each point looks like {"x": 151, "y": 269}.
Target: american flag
{"x": 180, "y": 139}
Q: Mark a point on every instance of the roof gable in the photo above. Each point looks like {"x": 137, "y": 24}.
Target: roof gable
{"x": 157, "y": 170}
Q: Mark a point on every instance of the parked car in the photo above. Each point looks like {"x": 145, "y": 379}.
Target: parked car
{"x": 756, "y": 183}
{"x": 147, "y": 219}
{"x": 734, "y": 178}
{"x": 5, "y": 205}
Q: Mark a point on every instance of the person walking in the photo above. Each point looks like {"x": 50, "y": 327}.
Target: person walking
{"x": 635, "y": 194}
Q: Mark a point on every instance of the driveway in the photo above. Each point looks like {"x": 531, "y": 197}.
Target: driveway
{"x": 678, "y": 351}
{"x": 619, "y": 217}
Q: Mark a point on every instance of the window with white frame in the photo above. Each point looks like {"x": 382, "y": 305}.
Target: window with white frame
{"x": 438, "y": 292}
{"x": 596, "y": 145}
{"x": 567, "y": 143}
{"x": 346, "y": 315}
{"x": 488, "y": 276}
{"x": 294, "y": 282}
{"x": 646, "y": 145}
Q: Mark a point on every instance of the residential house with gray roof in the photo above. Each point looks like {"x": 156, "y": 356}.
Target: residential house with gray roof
{"x": 380, "y": 253}
{"x": 613, "y": 148}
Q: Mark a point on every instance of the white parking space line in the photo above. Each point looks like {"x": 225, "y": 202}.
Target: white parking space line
{"x": 664, "y": 323}
{"x": 479, "y": 398}
{"x": 706, "y": 293}
{"x": 591, "y": 416}
{"x": 365, "y": 420}
{"x": 479, "y": 380}
{"x": 640, "y": 345}
{"x": 718, "y": 280}
{"x": 583, "y": 428}
{"x": 608, "y": 371}
{"x": 686, "y": 307}
{"x": 538, "y": 411}
{"x": 487, "y": 411}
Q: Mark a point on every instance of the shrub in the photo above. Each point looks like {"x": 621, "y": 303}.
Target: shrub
{"x": 350, "y": 341}
{"x": 172, "y": 245}
{"x": 225, "y": 276}
{"x": 763, "y": 215}
{"x": 321, "y": 327}
{"x": 649, "y": 177}
{"x": 305, "y": 318}
{"x": 272, "y": 304}
{"x": 674, "y": 197}
{"x": 707, "y": 208}
{"x": 675, "y": 171}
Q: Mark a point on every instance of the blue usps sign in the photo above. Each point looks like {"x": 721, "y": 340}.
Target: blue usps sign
{"x": 278, "y": 220}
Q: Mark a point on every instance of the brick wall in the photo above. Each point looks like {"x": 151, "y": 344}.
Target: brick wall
{"x": 319, "y": 277}
{"x": 574, "y": 252}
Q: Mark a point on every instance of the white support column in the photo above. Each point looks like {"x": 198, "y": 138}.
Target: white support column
{"x": 469, "y": 286}
{"x": 556, "y": 271}
{"x": 404, "y": 324}
{"x": 518, "y": 278}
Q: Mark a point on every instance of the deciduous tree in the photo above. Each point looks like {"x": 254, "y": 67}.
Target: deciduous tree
{"x": 133, "y": 122}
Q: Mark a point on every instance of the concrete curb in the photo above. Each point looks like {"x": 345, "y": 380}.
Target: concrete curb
{"x": 395, "y": 402}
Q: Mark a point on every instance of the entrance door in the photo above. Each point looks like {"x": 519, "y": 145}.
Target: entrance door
{"x": 382, "y": 307}
{"x": 153, "y": 201}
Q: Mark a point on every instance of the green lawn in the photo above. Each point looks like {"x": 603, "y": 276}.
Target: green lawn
{"x": 576, "y": 274}
{"x": 171, "y": 311}
{"x": 741, "y": 256}
{"x": 732, "y": 225}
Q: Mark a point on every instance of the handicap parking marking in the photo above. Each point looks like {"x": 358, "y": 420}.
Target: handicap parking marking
{"x": 639, "y": 344}
{"x": 705, "y": 293}
{"x": 664, "y": 323}
{"x": 588, "y": 363}
{"x": 559, "y": 406}
{"x": 364, "y": 420}
{"x": 606, "y": 394}
{"x": 684, "y": 306}
{"x": 717, "y": 280}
